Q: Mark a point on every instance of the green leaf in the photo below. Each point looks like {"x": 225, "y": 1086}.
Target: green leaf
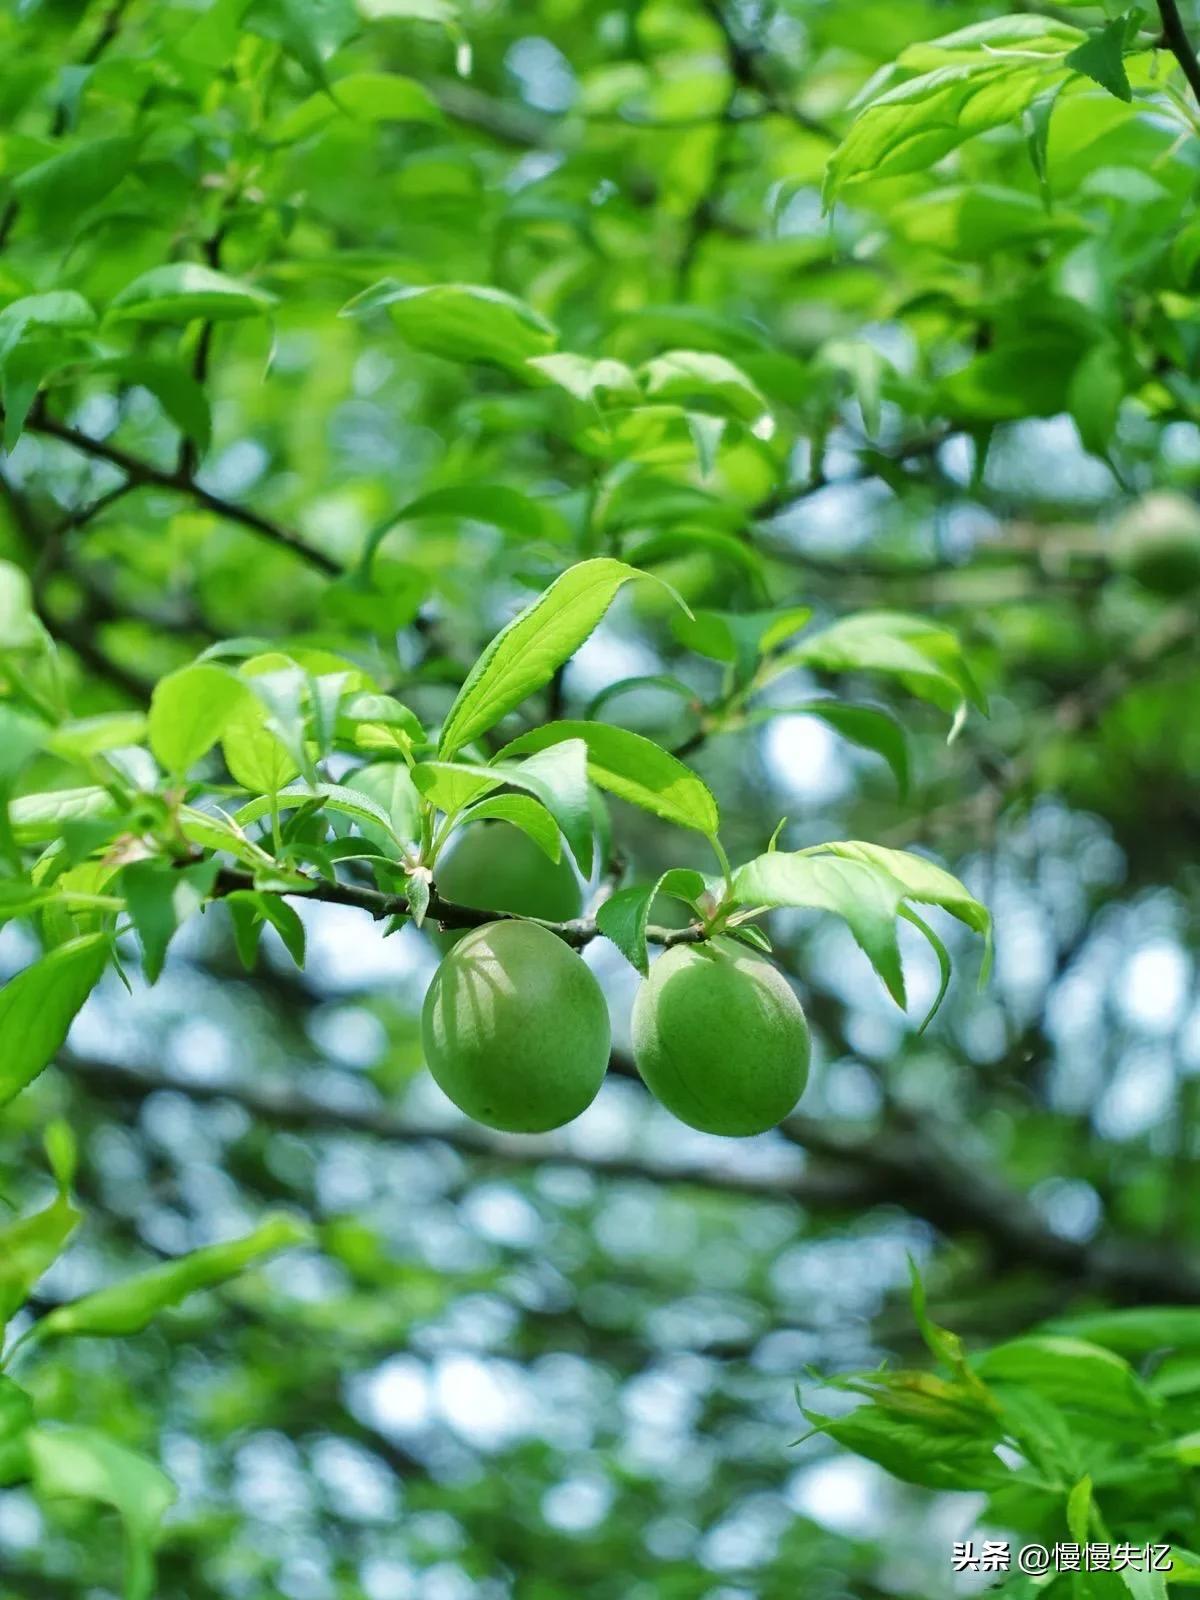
{"x": 1094, "y": 396}
{"x": 189, "y": 711}
{"x": 866, "y": 899}
{"x": 177, "y": 392}
{"x": 979, "y": 78}
{"x": 253, "y": 753}
{"x": 85, "y": 1464}
{"x": 183, "y": 291}
{"x": 523, "y": 812}
{"x": 36, "y": 818}
{"x": 20, "y": 738}
{"x": 355, "y": 804}
{"x": 309, "y": 30}
{"x": 557, "y": 776}
{"x": 866, "y": 885}
{"x": 129, "y": 1306}
{"x": 462, "y": 321}
{"x": 740, "y": 637}
{"x": 588, "y": 380}
{"x": 29, "y": 1248}
{"x": 389, "y": 784}
{"x": 929, "y": 1451}
{"x": 20, "y": 628}
{"x": 490, "y": 503}
{"x": 16, "y": 1415}
{"x": 634, "y": 769}
{"x": 925, "y": 656}
{"x": 525, "y": 655}
{"x": 1101, "y": 58}
{"x": 160, "y": 897}
{"x": 625, "y": 916}
{"x": 38, "y": 1006}
{"x": 1079, "y": 1510}
{"x": 694, "y": 376}
{"x": 90, "y": 736}
{"x": 59, "y": 312}
{"x": 60, "y": 188}
{"x": 370, "y": 97}
{"x": 1136, "y": 1331}
{"x": 1068, "y": 1372}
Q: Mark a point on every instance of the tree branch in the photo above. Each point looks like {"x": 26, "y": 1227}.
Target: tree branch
{"x": 295, "y": 1109}
{"x": 1175, "y": 35}
{"x": 144, "y": 474}
{"x": 579, "y": 931}
{"x": 900, "y": 1166}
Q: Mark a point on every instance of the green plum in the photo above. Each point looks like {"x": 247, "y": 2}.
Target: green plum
{"x": 720, "y": 1039}
{"x": 516, "y": 1028}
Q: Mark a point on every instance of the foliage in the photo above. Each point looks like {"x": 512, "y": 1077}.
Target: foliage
{"x": 419, "y": 416}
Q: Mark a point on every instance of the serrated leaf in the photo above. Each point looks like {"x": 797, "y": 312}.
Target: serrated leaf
{"x": 183, "y": 291}
{"x": 355, "y": 804}
{"x": 525, "y": 655}
{"x": 38, "y": 1006}
{"x": 523, "y": 812}
{"x": 926, "y": 657}
{"x": 633, "y": 768}
{"x": 160, "y": 897}
{"x": 557, "y": 776}
{"x": 1101, "y": 58}
{"x": 625, "y": 916}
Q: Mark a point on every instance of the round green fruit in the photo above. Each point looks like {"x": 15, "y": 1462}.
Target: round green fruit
{"x": 720, "y": 1039}
{"x": 493, "y": 866}
{"x": 516, "y": 1028}
{"x": 1157, "y": 543}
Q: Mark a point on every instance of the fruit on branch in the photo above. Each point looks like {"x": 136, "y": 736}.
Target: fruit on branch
{"x": 720, "y": 1039}
{"x": 516, "y": 1029}
{"x": 493, "y": 866}
{"x": 1157, "y": 543}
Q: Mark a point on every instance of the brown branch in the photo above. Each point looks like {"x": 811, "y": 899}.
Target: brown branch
{"x": 294, "y": 1108}
{"x": 144, "y": 474}
{"x": 902, "y": 1166}
{"x": 577, "y": 932}
{"x": 1180, "y": 46}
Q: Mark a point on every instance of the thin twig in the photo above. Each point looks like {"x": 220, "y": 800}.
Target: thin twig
{"x": 145, "y": 474}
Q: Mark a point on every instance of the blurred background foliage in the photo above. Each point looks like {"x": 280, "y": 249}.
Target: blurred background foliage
{"x": 540, "y": 1367}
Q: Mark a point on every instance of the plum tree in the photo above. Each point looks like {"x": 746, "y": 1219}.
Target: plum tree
{"x": 720, "y": 1039}
{"x": 516, "y": 1028}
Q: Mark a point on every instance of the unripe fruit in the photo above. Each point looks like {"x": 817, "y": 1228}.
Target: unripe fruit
{"x": 1157, "y": 543}
{"x": 720, "y": 1039}
{"x": 493, "y": 866}
{"x": 516, "y": 1029}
